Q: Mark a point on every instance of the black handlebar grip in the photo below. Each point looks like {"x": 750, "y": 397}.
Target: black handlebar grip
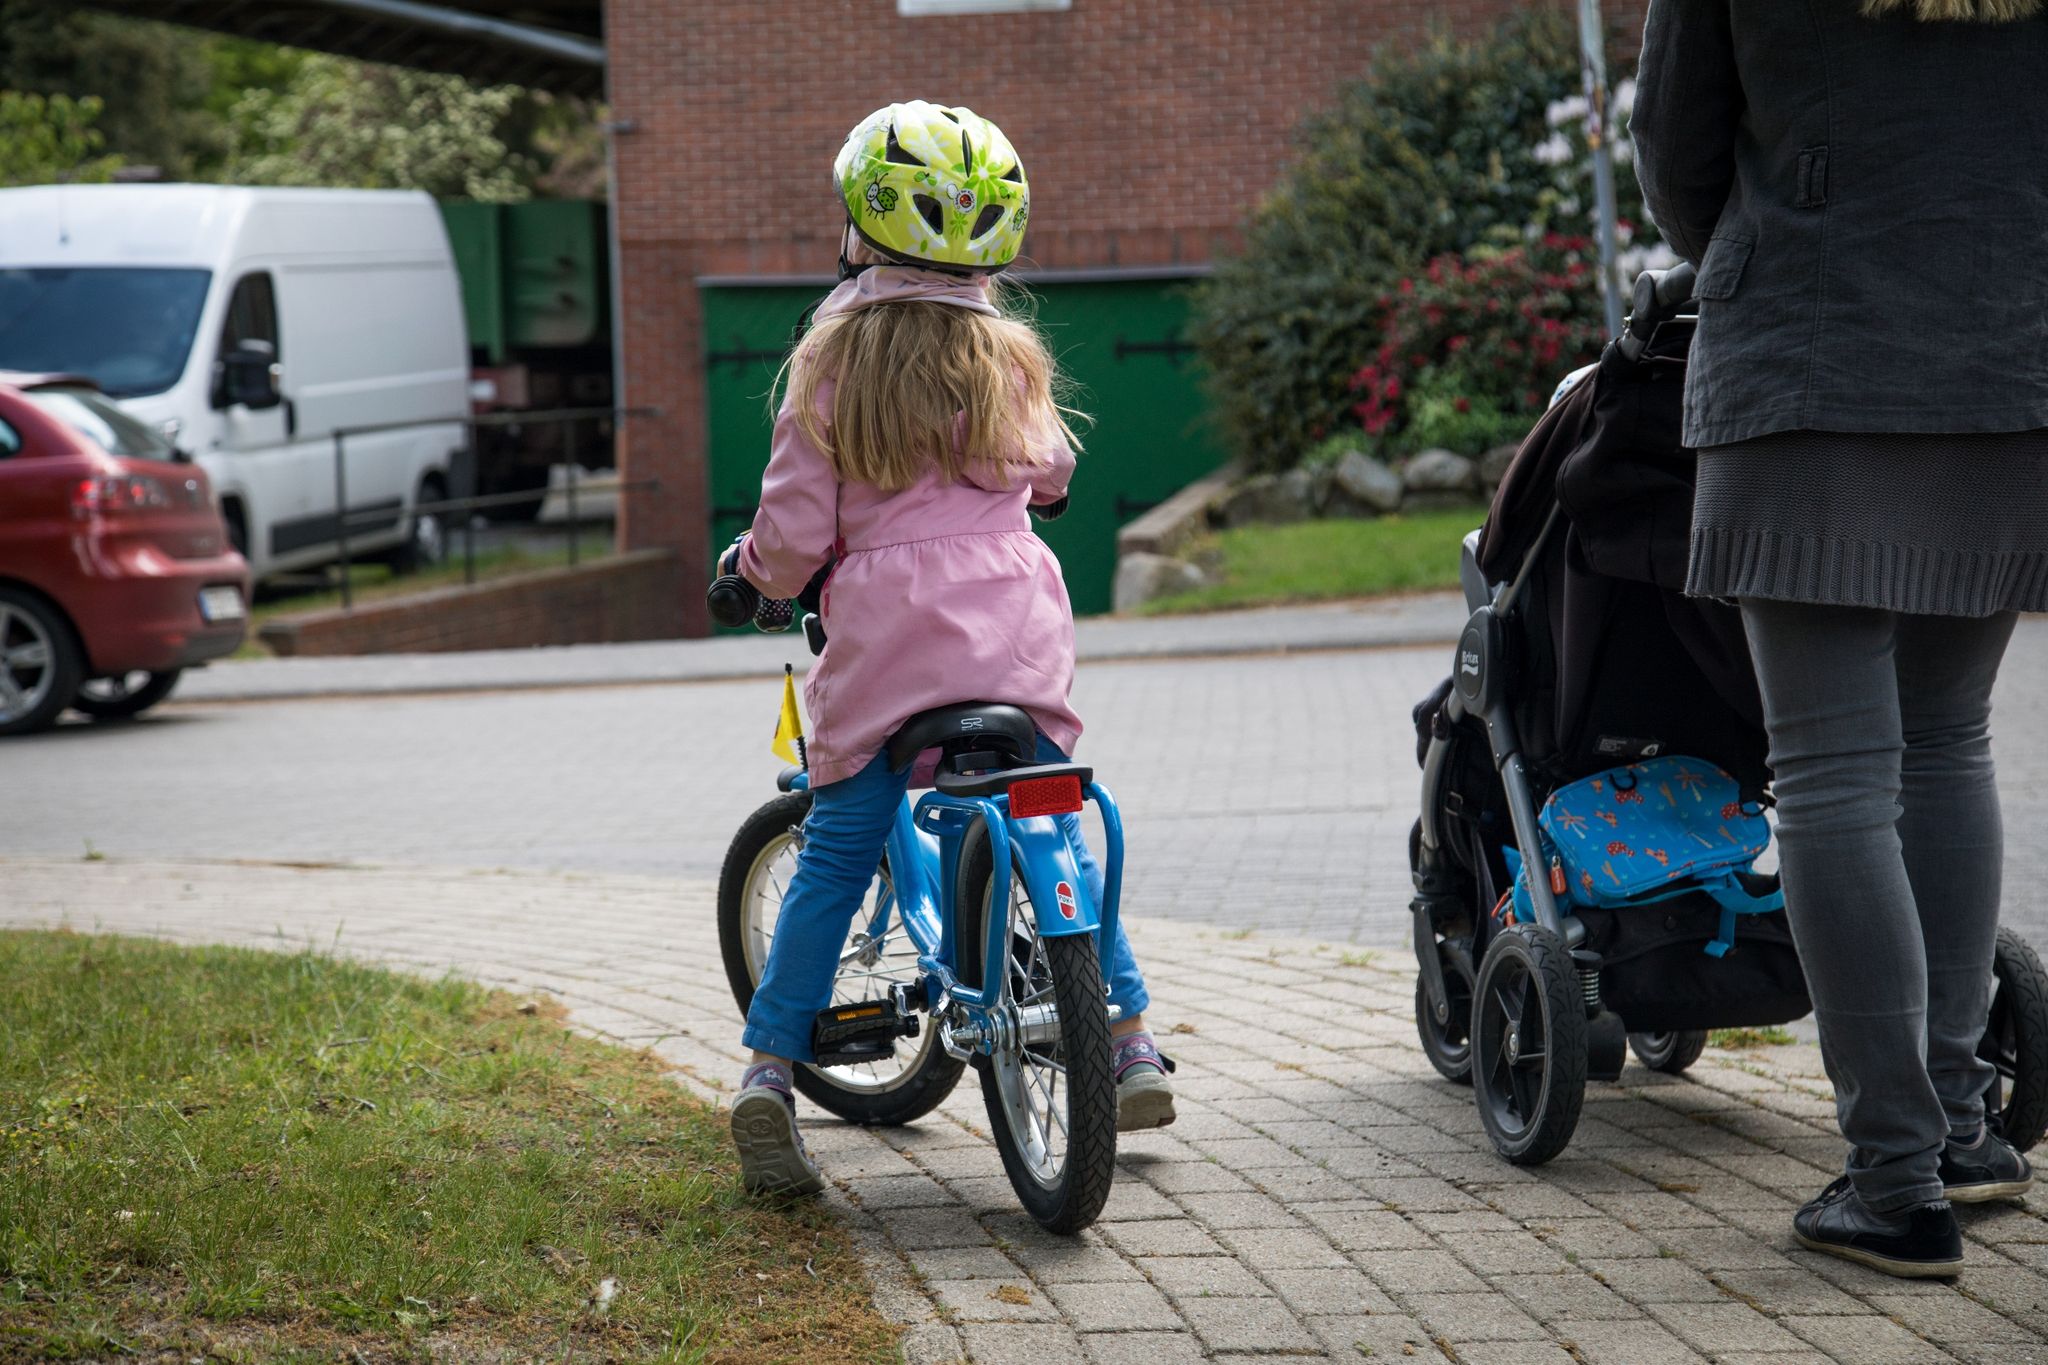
{"x": 1675, "y": 285}
{"x": 732, "y": 600}
{"x": 1051, "y": 511}
{"x": 774, "y": 614}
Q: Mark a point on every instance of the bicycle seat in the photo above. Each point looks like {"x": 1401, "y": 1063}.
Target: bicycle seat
{"x": 989, "y": 726}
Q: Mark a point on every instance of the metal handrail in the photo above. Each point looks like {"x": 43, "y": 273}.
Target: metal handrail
{"x": 566, "y": 416}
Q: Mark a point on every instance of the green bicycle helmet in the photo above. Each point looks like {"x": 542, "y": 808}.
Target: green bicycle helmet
{"x": 935, "y": 186}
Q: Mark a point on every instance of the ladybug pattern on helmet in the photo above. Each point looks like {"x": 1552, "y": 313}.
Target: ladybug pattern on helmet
{"x": 881, "y": 198}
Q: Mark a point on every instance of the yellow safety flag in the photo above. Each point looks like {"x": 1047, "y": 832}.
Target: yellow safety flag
{"x": 789, "y": 726}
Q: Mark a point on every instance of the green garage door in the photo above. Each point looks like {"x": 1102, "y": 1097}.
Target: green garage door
{"x": 1118, "y": 336}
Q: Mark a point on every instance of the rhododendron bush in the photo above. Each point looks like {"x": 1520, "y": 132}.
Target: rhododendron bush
{"x": 1423, "y": 267}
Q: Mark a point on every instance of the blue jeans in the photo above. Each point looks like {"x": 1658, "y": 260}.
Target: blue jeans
{"x": 844, "y": 836}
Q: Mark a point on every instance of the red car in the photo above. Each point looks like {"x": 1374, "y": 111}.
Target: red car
{"x": 115, "y": 569}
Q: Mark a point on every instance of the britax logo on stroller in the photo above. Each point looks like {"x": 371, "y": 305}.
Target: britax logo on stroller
{"x": 1595, "y": 782}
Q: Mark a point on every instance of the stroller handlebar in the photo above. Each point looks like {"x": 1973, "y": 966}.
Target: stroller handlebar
{"x": 1658, "y": 296}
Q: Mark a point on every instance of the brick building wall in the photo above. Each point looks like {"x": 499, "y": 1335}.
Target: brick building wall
{"x": 1148, "y": 127}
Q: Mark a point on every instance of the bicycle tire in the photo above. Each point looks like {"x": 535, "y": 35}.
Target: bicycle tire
{"x": 1073, "y": 1198}
{"x": 922, "y": 1088}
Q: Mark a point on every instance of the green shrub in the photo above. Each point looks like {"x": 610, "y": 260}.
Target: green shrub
{"x": 1441, "y": 149}
{"x": 1471, "y": 347}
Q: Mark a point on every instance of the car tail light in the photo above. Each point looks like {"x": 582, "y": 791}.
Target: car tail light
{"x": 114, "y": 494}
{"x": 1045, "y": 796}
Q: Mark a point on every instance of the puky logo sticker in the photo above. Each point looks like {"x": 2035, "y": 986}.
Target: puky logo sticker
{"x": 1064, "y": 894}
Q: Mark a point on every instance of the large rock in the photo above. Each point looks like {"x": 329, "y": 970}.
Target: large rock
{"x": 1441, "y": 471}
{"x": 1367, "y": 482}
{"x": 1267, "y": 499}
{"x": 1493, "y": 465}
{"x": 1142, "y": 577}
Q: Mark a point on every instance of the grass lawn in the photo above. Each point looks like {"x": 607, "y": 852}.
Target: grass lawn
{"x": 234, "y": 1155}
{"x": 1313, "y": 561}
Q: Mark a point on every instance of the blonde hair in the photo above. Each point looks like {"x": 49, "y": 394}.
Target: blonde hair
{"x": 907, "y": 372}
{"x": 1955, "y": 11}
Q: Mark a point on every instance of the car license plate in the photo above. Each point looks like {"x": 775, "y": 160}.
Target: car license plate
{"x": 221, "y": 604}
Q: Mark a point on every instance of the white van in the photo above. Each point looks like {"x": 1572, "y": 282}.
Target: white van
{"x": 250, "y": 325}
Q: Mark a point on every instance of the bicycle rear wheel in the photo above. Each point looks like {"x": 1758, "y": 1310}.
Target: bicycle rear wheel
{"x": 919, "y": 1074}
{"x": 1052, "y": 1103}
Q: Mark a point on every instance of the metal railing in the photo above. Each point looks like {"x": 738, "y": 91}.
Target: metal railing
{"x": 467, "y": 506}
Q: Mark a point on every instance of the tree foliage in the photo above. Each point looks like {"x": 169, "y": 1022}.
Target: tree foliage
{"x": 47, "y": 138}
{"x": 1437, "y": 151}
{"x": 348, "y": 124}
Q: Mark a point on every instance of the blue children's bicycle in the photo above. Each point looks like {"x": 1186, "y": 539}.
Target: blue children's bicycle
{"x": 1001, "y": 954}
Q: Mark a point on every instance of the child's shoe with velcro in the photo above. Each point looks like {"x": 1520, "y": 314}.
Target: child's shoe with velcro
{"x": 1144, "y": 1095}
{"x": 773, "y": 1159}
{"x": 1987, "y": 1169}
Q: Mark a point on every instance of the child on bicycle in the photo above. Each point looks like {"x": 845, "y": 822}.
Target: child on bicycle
{"x": 919, "y": 423}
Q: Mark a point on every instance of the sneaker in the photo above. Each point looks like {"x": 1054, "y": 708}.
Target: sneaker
{"x": 773, "y": 1159}
{"x": 1922, "y": 1242}
{"x": 1144, "y": 1095}
{"x": 1986, "y": 1169}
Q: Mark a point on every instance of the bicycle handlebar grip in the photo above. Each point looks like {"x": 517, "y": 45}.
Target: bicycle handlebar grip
{"x": 732, "y": 600}
{"x": 774, "y": 614}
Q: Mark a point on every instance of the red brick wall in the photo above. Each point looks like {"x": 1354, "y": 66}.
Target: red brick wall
{"x": 625, "y": 597}
{"x": 1148, "y": 127}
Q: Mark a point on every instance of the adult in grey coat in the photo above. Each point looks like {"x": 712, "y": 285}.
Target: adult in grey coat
{"x": 1864, "y": 186}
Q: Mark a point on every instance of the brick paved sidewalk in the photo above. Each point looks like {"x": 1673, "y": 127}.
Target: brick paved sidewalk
{"x": 1324, "y": 1195}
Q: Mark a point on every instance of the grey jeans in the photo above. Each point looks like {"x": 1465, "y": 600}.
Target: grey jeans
{"x": 1892, "y": 853}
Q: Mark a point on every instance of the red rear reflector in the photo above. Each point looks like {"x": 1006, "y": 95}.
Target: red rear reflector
{"x": 1045, "y": 796}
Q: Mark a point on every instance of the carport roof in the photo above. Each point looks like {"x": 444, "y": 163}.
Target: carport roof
{"x": 555, "y": 45}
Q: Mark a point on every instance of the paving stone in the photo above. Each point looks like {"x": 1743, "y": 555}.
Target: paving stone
{"x": 1246, "y": 1325}
{"x": 1627, "y": 1343}
{"x": 1124, "y": 1307}
{"x": 961, "y": 1263}
{"x": 1512, "y": 1353}
{"x": 1020, "y": 1343}
{"x": 1420, "y": 1272}
{"x": 1077, "y": 1264}
{"x": 1182, "y": 1277}
{"x": 931, "y": 1343}
{"x": 1140, "y": 1348}
{"x": 1352, "y": 1228}
{"x": 1014, "y": 1300}
{"x": 1326, "y": 1291}
{"x": 1951, "y": 1318}
{"x": 1657, "y": 1280}
{"x": 1474, "y": 1317}
{"x": 1165, "y": 1237}
{"x": 1713, "y": 1327}
{"x": 1236, "y": 1211}
{"x": 1998, "y": 1353}
{"x": 1377, "y": 1336}
{"x": 1789, "y": 1290}
{"x": 1508, "y": 1253}
{"x": 1188, "y": 1177}
{"x": 1867, "y": 1340}
{"x": 934, "y": 1228}
{"x": 1592, "y": 1237}
{"x": 1573, "y": 1295}
{"x": 1281, "y": 1248}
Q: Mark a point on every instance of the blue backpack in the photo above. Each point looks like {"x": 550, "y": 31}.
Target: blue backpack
{"x": 1649, "y": 832}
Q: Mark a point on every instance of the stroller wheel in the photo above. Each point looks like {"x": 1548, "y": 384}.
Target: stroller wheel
{"x": 1670, "y": 1053}
{"x": 1447, "y": 1042}
{"x": 1528, "y": 1045}
{"x": 2016, "y": 1042}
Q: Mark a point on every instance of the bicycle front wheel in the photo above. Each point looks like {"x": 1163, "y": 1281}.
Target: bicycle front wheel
{"x": 1051, "y": 1102}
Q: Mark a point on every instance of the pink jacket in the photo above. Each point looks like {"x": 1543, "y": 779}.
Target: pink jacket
{"x": 942, "y": 593}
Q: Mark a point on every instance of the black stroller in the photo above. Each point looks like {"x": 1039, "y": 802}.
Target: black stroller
{"x": 1583, "y": 656}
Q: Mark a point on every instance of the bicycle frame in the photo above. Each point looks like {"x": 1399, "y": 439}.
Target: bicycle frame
{"x": 924, "y": 863}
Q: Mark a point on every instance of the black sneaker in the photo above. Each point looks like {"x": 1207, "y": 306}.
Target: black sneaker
{"x": 1922, "y": 1242}
{"x": 1989, "y": 1170}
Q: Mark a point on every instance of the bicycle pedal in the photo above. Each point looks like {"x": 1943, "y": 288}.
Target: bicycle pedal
{"x": 864, "y": 1031}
